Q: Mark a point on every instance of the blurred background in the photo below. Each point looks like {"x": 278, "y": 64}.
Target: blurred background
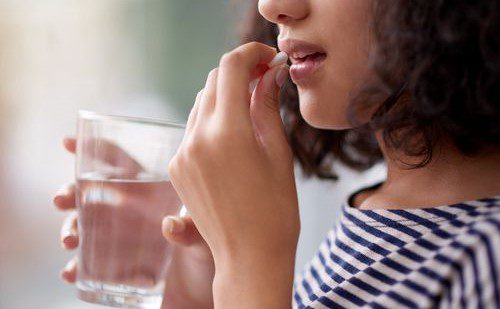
{"x": 130, "y": 57}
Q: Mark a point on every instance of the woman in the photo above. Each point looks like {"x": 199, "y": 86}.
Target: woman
{"x": 413, "y": 83}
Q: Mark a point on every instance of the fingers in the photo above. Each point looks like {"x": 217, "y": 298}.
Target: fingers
{"x": 69, "y": 232}
{"x": 68, "y": 274}
{"x": 207, "y": 102}
{"x": 194, "y": 113}
{"x": 112, "y": 154}
{"x": 204, "y": 104}
{"x": 235, "y": 75}
{"x": 181, "y": 231}
{"x": 280, "y": 59}
{"x": 258, "y": 71}
{"x": 106, "y": 151}
{"x": 265, "y": 108}
{"x": 65, "y": 197}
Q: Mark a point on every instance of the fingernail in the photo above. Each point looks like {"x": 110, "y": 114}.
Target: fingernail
{"x": 70, "y": 241}
{"x": 173, "y": 225}
{"x": 279, "y": 59}
{"x": 281, "y": 76}
{"x": 67, "y": 140}
{"x": 57, "y": 199}
{"x": 63, "y": 275}
{"x": 61, "y": 193}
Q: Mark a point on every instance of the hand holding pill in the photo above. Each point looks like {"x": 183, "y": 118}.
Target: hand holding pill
{"x": 281, "y": 58}
{"x": 234, "y": 170}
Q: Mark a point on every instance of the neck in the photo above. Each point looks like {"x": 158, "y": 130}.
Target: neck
{"x": 450, "y": 177}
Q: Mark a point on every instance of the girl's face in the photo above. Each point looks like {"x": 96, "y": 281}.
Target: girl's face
{"x": 328, "y": 42}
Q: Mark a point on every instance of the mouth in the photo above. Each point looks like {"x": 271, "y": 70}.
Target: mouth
{"x": 298, "y": 59}
{"x": 306, "y": 58}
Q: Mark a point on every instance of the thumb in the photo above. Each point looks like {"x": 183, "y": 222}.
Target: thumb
{"x": 265, "y": 107}
{"x": 181, "y": 231}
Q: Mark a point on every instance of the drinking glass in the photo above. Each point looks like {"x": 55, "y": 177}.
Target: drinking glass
{"x": 123, "y": 192}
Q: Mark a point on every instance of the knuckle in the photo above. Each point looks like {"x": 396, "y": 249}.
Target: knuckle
{"x": 253, "y": 45}
{"x": 256, "y": 47}
{"x": 172, "y": 167}
{"x": 193, "y": 148}
{"x": 218, "y": 132}
{"x": 199, "y": 94}
{"x": 232, "y": 138}
{"x": 231, "y": 58}
{"x": 176, "y": 165}
{"x": 212, "y": 77}
{"x": 213, "y": 138}
{"x": 218, "y": 140}
{"x": 213, "y": 73}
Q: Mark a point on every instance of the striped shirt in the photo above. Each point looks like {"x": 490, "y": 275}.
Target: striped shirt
{"x": 440, "y": 257}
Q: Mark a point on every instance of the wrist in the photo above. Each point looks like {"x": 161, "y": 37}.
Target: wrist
{"x": 188, "y": 281}
{"x": 177, "y": 301}
{"x": 257, "y": 282}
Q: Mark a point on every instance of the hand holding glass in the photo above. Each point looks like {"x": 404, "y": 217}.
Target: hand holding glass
{"x": 123, "y": 193}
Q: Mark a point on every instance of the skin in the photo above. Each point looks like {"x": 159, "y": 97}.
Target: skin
{"x": 244, "y": 224}
{"x": 189, "y": 279}
{"x": 324, "y": 97}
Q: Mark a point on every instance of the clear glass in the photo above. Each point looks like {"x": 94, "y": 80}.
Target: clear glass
{"x": 123, "y": 193}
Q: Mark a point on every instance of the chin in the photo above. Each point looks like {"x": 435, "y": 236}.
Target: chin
{"x": 323, "y": 115}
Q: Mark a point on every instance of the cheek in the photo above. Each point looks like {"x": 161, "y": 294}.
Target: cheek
{"x": 323, "y": 109}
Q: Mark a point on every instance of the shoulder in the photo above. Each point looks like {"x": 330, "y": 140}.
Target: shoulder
{"x": 481, "y": 231}
{"x": 476, "y": 279}
{"x": 483, "y": 219}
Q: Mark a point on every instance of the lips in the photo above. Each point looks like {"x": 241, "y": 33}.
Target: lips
{"x": 306, "y": 58}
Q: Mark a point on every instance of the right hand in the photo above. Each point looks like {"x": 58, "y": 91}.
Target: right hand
{"x": 191, "y": 272}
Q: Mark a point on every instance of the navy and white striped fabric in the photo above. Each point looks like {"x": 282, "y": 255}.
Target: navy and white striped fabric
{"x": 441, "y": 257}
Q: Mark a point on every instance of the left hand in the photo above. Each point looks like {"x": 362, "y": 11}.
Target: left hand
{"x": 234, "y": 168}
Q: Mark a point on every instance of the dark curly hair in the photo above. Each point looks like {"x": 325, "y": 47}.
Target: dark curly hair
{"x": 438, "y": 69}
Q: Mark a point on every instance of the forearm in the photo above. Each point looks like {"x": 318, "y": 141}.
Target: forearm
{"x": 264, "y": 283}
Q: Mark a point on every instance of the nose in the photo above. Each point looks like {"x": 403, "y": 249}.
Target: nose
{"x": 284, "y": 11}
